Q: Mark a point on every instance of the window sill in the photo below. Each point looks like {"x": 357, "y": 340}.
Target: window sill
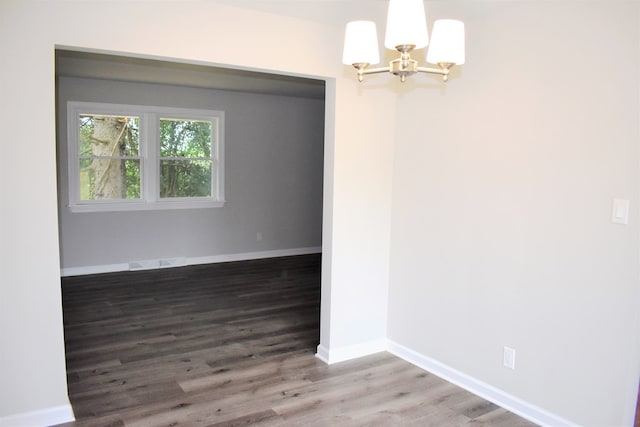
{"x": 145, "y": 206}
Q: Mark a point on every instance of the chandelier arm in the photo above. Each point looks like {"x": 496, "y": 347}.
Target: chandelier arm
{"x": 376, "y": 70}
{"x": 433, "y": 70}
{"x": 443, "y": 70}
{"x": 403, "y": 70}
{"x": 362, "y": 69}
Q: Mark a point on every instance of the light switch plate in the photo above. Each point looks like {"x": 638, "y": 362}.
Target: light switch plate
{"x": 620, "y": 211}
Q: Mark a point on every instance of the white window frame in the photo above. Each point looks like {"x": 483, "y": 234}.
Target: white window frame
{"x": 149, "y": 152}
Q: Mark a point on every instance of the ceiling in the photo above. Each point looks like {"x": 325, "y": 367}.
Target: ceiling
{"x": 133, "y": 69}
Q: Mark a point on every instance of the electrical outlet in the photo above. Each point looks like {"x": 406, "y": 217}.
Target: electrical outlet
{"x": 509, "y": 358}
{"x": 259, "y": 236}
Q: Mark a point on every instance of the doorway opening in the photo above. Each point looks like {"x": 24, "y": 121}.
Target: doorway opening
{"x": 274, "y": 166}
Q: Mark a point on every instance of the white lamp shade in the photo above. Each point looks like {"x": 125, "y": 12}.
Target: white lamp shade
{"x": 447, "y": 42}
{"x": 406, "y": 24}
{"x": 360, "y": 43}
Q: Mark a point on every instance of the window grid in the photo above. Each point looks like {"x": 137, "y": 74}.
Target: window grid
{"x": 149, "y": 158}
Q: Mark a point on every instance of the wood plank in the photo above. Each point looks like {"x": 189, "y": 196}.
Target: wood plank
{"x": 234, "y": 344}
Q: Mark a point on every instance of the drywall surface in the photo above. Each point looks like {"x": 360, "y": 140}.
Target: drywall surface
{"x": 502, "y": 199}
{"x": 273, "y": 180}
{"x": 502, "y": 187}
{"x": 357, "y": 181}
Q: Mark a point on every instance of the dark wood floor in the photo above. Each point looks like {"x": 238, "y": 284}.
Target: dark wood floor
{"x": 233, "y": 344}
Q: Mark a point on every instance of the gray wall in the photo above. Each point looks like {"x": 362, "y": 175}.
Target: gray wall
{"x": 273, "y": 180}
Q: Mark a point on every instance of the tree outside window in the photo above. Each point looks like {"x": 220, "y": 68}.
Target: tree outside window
{"x": 124, "y": 157}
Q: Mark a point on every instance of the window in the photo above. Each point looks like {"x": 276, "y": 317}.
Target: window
{"x": 128, "y": 157}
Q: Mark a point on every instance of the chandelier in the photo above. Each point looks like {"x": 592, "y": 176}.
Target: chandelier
{"x": 406, "y": 31}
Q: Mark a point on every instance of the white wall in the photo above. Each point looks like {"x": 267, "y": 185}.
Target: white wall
{"x": 29, "y": 260}
{"x": 502, "y": 185}
{"x": 273, "y": 168}
{"x": 502, "y": 191}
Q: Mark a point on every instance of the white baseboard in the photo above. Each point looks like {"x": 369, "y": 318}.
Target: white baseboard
{"x": 42, "y": 417}
{"x": 350, "y": 352}
{"x": 152, "y": 264}
{"x": 322, "y": 353}
{"x": 499, "y": 397}
{"x": 254, "y": 255}
{"x": 93, "y": 269}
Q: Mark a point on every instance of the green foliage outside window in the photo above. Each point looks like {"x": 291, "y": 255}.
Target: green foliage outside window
{"x": 110, "y": 157}
{"x": 185, "y": 158}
